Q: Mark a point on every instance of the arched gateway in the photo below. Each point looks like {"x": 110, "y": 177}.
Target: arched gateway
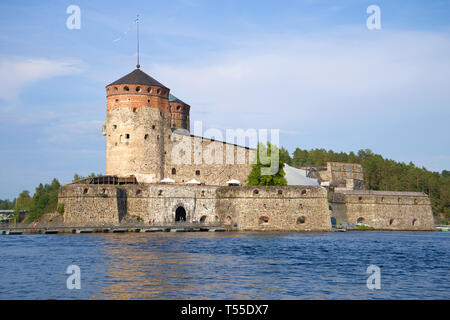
{"x": 180, "y": 214}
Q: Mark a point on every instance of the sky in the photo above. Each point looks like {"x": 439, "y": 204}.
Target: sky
{"x": 311, "y": 69}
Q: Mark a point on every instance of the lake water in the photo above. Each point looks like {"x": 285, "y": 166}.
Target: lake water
{"x": 226, "y": 265}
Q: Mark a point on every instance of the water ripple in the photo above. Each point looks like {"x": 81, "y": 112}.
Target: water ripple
{"x": 226, "y": 265}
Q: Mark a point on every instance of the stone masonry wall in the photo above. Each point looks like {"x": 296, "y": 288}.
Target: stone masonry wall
{"x": 96, "y": 204}
{"x": 90, "y": 204}
{"x": 338, "y": 173}
{"x": 239, "y": 208}
{"x": 189, "y": 157}
{"x": 384, "y": 210}
{"x": 159, "y": 203}
{"x": 293, "y": 208}
{"x": 134, "y": 142}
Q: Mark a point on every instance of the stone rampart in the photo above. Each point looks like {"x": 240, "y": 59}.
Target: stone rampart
{"x": 384, "y": 210}
{"x": 293, "y": 208}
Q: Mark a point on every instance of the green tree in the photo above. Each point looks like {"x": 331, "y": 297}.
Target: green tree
{"x": 45, "y": 200}
{"x": 23, "y": 201}
{"x": 256, "y": 178}
{"x": 285, "y": 157}
{"x": 6, "y": 204}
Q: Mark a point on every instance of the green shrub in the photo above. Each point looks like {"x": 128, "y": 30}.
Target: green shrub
{"x": 60, "y": 208}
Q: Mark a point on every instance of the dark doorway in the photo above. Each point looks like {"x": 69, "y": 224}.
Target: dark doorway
{"x": 180, "y": 214}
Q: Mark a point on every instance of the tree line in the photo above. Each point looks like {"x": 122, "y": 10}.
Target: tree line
{"x": 44, "y": 199}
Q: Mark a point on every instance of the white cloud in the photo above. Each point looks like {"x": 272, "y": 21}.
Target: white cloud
{"x": 72, "y": 133}
{"x": 317, "y": 78}
{"x": 18, "y": 73}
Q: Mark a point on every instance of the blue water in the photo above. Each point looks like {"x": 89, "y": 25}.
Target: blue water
{"x": 226, "y": 265}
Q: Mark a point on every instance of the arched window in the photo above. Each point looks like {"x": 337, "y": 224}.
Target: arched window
{"x": 303, "y": 192}
{"x": 360, "y": 220}
{"x": 197, "y": 172}
{"x": 146, "y": 137}
{"x": 174, "y": 171}
{"x": 255, "y": 192}
{"x": 414, "y": 222}
{"x": 391, "y": 221}
{"x": 138, "y": 89}
{"x": 126, "y": 88}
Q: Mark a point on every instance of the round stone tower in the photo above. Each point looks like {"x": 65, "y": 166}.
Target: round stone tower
{"x": 179, "y": 113}
{"x": 137, "y": 108}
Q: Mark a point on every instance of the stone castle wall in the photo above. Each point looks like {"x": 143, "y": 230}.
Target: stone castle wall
{"x": 342, "y": 174}
{"x": 384, "y": 210}
{"x": 91, "y": 204}
{"x": 239, "y": 208}
{"x": 294, "y": 208}
{"x": 207, "y": 161}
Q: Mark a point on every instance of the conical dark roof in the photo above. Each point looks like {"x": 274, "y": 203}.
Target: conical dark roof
{"x": 138, "y": 77}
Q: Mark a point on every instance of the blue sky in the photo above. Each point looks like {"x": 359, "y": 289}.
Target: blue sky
{"x": 309, "y": 68}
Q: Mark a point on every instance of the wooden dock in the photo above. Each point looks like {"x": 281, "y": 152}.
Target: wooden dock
{"x": 52, "y": 230}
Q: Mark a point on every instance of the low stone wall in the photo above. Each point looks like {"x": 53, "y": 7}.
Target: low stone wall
{"x": 293, "y": 208}
{"x": 384, "y": 210}
{"x": 87, "y": 203}
{"x": 240, "y": 208}
{"x": 159, "y": 203}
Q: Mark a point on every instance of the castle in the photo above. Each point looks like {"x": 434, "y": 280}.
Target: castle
{"x": 150, "y": 179}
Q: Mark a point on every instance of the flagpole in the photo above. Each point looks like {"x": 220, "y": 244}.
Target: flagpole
{"x": 137, "y": 22}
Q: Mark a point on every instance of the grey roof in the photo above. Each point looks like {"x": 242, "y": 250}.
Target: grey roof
{"x": 138, "y": 77}
{"x": 297, "y": 177}
{"x": 172, "y": 98}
